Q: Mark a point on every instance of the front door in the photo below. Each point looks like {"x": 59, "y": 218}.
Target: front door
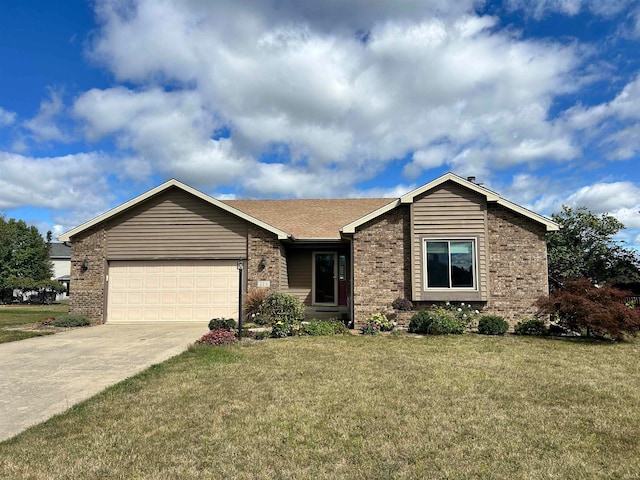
{"x": 325, "y": 279}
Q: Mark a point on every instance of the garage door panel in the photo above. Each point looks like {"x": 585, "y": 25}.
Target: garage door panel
{"x": 172, "y": 290}
{"x": 220, "y": 283}
{"x": 169, "y": 299}
{"x": 135, "y": 298}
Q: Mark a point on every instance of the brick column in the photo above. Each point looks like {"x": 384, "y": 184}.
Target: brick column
{"x": 261, "y": 243}
{"x": 87, "y": 286}
{"x": 381, "y": 264}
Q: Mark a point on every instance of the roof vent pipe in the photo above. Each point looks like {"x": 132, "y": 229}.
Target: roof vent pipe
{"x": 471, "y": 179}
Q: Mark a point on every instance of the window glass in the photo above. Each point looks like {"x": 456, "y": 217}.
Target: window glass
{"x": 461, "y": 264}
{"x": 437, "y": 264}
{"x": 450, "y": 264}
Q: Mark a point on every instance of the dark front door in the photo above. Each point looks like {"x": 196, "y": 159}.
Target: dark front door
{"x": 324, "y": 278}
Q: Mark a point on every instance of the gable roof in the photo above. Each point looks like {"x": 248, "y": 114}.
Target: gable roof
{"x": 59, "y": 251}
{"x": 313, "y": 219}
{"x": 490, "y": 196}
{"x": 306, "y": 219}
{"x": 65, "y": 237}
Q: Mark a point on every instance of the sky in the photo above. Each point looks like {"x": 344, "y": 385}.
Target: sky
{"x": 101, "y": 101}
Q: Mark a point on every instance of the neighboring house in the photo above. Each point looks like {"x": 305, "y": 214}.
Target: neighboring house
{"x": 60, "y": 255}
{"x": 172, "y": 254}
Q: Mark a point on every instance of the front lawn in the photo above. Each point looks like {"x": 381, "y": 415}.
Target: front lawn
{"x": 17, "y": 315}
{"x": 464, "y": 406}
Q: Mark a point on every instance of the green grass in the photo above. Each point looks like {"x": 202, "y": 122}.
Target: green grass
{"x": 356, "y": 407}
{"x": 16, "y": 315}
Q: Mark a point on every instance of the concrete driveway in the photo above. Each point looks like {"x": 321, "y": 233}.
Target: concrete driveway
{"x": 43, "y": 376}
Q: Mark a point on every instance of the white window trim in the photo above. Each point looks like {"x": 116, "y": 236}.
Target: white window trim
{"x": 425, "y": 278}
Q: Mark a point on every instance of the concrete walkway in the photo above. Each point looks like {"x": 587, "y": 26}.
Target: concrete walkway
{"x": 43, "y": 376}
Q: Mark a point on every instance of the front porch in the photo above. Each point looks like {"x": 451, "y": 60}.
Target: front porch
{"x": 319, "y": 274}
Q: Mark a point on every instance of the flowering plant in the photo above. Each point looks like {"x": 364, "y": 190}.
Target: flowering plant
{"x": 380, "y": 319}
{"x": 463, "y": 312}
{"x": 219, "y": 336}
{"x": 370, "y": 328}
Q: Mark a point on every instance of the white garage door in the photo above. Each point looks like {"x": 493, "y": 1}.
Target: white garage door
{"x": 181, "y": 290}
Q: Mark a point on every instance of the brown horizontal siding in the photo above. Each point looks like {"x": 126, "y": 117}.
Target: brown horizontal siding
{"x": 300, "y": 274}
{"x": 449, "y": 211}
{"x": 284, "y": 275}
{"x": 176, "y": 224}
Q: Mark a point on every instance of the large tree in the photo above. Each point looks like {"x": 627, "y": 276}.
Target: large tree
{"x": 585, "y": 248}
{"x": 24, "y": 256}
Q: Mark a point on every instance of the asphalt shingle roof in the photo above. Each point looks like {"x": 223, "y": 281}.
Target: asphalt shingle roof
{"x": 310, "y": 218}
{"x": 59, "y": 250}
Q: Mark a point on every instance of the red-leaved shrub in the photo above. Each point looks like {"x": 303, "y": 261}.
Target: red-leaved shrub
{"x": 582, "y": 307}
{"x": 219, "y": 336}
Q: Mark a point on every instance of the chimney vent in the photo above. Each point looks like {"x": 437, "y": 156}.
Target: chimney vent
{"x": 471, "y": 179}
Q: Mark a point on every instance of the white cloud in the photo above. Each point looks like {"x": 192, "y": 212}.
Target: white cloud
{"x": 166, "y": 132}
{"x": 6, "y": 117}
{"x": 619, "y": 199}
{"x": 279, "y": 180}
{"x": 340, "y": 85}
{"x": 44, "y": 126}
{"x": 385, "y": 192}
{"x": 71, "y": 182}
{"x": 606, "y": 197}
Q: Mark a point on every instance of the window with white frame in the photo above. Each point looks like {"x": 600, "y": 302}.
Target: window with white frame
{"x": 450, "y": 264}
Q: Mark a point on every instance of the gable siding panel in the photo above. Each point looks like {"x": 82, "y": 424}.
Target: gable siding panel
{"x": 448, "y": 211}
{"x": 176, "y": 224}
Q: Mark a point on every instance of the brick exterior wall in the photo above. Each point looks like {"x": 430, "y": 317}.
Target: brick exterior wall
{"x": 517, "y": 264}
{"x": 381, "y": 263}
{"x": 261, "y": 243}
{"x": 87, "y": 287}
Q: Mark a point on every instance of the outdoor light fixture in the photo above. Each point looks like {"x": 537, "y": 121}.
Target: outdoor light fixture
{"x": 263, "y": 263}
{"x": 85, "y": 265}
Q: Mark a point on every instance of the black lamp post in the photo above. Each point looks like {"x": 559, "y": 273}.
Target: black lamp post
{"x": 240, "y": 268}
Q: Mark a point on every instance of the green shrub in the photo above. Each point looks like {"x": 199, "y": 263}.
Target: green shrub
{"x": 438, "y": 320}
{"x": 281, "y": 330}
{"x": 317, "y": 328}
{"x": 280, "y": 307}
{"x": 70, "y": 320}
{"x": 222, "y": 323}
{"x": 261, "y": 335}
{"x": 531, "y": 326}
{"x": 492, "y": 325}
{"x": 339, "y": 328}
{"x": 382, "y": 321}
